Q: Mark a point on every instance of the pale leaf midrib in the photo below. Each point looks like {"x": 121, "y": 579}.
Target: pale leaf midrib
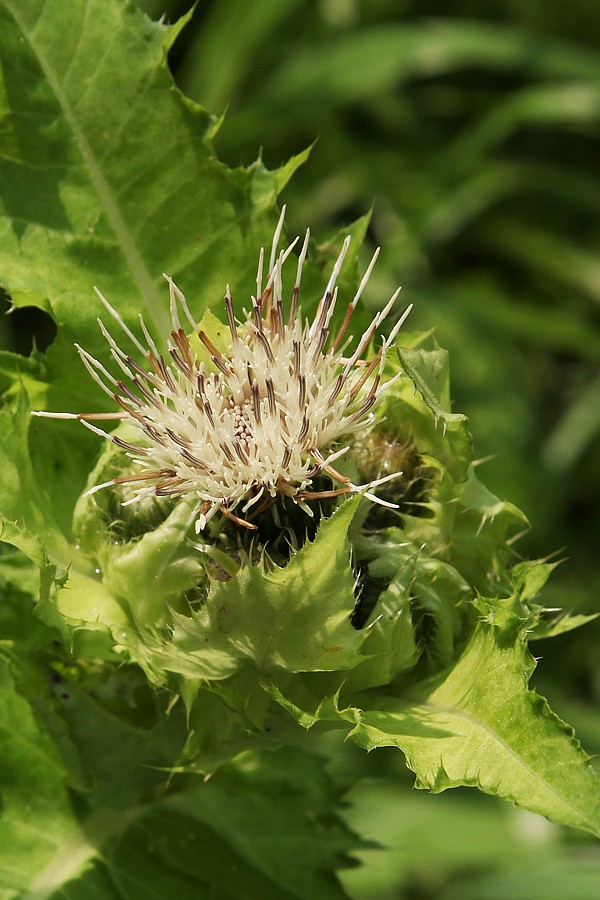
{"x": 137, "y": 266}
{"x": 78, "y": 851}
{"x": 480, "y": 725}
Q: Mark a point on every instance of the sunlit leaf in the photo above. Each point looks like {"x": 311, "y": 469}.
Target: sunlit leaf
{"x": 481, "y": 727}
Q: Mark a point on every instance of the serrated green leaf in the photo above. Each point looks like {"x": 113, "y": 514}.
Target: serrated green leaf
{"x": 296, "y": 618}
{"x": 428, "y": 370}
{"x": 109, "y": 730}
{"x": 550, "y": 626}
{"x": 482, "y": 727}
{"x": 530, "y": 577}
{"x": 26, "y": 371}
{"x": 93, "y": 195}
{"x": 468, "y": 527}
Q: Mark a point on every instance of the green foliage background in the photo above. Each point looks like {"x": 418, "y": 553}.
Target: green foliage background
{"x": 475, "y": 136}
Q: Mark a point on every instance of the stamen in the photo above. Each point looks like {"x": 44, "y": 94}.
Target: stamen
{"x": 159, "y": 368}
{"x": 364, "y": 377}
{"x": 366, "y": 338}
{"x": 99, "y": 487}
{"x": 147, "y": 335}
{"x": 209, "y": 344}
{"x": 42, "y": 414}
{"x": 129, "y": 394}
{"x": 183, "y": 345}
{"x": 146, "y": 393}
{"x": 91, "y": 364}
{"x": 238, "y": 520}
{"x": 352, "y": 306}
{"x": 256, "y": 402}
{"x": 175, "y": 292}
{"x": 301, "y": 391}
{"x": 169, "y": 487}
{"x": 270, "y": 395}
{"x": 259, "y": 274}
{"x": 304, "y": 429}
{"x": 230, "y": 315}
{"x": 181, "y": 364}
{"x": 197, "y": 463}
{"x": 218, "y": 361}
{"x": 120, "y": 321}
{"x": 126, "y": 445}
{"x": 240, "y": 450}
{"x": 390, "y": 340}
{"x": 319, "y": 495}
{"x": 144, "y": 373}
{"x": 296, "y": 291}
{"x": 317, "y": 347}
{"x": 276, "y": 237}
{"x": 265, "y": 345}
{"x": 336, "y": 389}
{"x": 209, "y": 413}
{"x": 227, "y": 451}
{"x": 296, "y": 346}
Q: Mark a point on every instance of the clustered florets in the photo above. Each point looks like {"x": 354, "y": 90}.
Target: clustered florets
{"x": 263, "y": 418}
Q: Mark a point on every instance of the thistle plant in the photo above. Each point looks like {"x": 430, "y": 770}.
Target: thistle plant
{"x": 263, "y": 422}
{"x": 282, "y": 546}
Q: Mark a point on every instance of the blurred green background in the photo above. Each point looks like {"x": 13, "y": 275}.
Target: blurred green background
{"x": 473, "y": 130}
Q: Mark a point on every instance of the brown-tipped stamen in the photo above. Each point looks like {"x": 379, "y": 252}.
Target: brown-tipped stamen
{"x": 365, "y": 376}
{"x": 231, "y": 316}
{"x": 322, "y": 495}
{"x": 209, "y": 344}
{"x": 238, "y": 520}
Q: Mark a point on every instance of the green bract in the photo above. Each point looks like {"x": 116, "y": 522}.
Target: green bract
{"x": 136, "y": 654}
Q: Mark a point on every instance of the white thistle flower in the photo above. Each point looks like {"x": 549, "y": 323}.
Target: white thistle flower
{"x": 265, "y": 420}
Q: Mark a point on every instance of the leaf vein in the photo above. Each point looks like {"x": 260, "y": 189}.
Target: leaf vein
{"x": 145, "y": 283}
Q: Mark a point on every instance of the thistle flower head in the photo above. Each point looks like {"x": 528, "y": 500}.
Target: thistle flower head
{"x": 279, "y": 405}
